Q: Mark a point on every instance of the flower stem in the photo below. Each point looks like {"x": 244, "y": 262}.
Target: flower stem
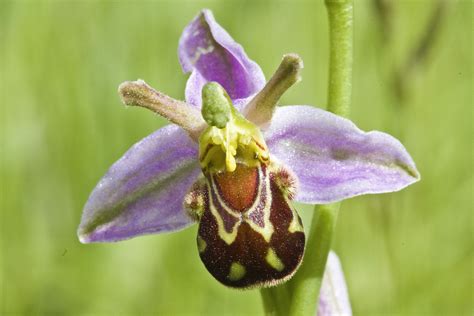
{"x": 276, "y": 300}
{"x": 307, "y": 281}
{"x": 269, "y": 302}
{"x": 340, "y": 13}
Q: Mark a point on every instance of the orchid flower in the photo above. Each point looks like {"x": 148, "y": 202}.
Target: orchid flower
{"x": 232, "y": 162}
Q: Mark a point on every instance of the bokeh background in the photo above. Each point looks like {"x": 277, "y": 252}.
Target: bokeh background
{"x": 62, "y": 126}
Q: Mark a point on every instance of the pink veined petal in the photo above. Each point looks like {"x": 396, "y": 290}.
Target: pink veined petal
{"x": 210, "y": 54}
{"x": 333, "y": 296}
{"x": 143, "y": 192}
{"x": 335, "y": 160}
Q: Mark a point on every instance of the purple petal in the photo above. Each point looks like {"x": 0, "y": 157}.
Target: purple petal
{"x": 335, "y": 160}
{"x": 333, "y": 296}
{"x": 143, "y": 192}
{"x": 208, "y": 51}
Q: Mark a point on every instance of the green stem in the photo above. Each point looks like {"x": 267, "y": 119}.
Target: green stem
{"x": 307, "y": 281}
{"x": 276, "y": 300}
{"x": 269, "y": 302}
{"x": 340, "y": 13}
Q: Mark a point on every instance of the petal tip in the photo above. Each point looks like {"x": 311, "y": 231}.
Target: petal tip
{"x": 415, "y": 174}
{"x": 408, "y": 167}
{"x": 86, "y": 230}
{"x": 205, "y": 11}
{"x": 208, "y": 51}
{"x": 83, "y": 237}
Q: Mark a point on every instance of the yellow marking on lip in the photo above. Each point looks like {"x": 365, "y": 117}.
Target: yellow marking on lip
{"x": 267, "y": 230}
{"x": 229, "y": 238}
{"x": 201, "y": 244}
{"x": 295, "y": 225}
{"x": 237, "y": 271}
{"x": 274, "y": 261}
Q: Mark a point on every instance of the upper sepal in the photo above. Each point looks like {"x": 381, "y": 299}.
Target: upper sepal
{"x": 335, "y": 160}
{"x": 143, "y": 192}
{"x": 210, "y": 54}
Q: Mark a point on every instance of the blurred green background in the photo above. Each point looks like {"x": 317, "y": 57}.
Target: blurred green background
{"x": 62, "y": 126}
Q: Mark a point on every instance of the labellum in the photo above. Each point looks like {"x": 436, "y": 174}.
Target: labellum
{"x": 249, "y": 235}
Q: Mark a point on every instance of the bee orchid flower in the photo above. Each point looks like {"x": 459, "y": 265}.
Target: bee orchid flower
{"x": 233, "y": 160}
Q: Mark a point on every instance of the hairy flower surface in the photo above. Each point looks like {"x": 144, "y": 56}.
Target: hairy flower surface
{"x": 235, "y": 168}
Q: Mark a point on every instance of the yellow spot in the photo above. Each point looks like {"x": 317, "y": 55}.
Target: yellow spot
{"x": 295, "y": 225}
{"x": 274, "y": 261}
{"x": 201, "y": 244}
{"x": 237, "y": 271}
